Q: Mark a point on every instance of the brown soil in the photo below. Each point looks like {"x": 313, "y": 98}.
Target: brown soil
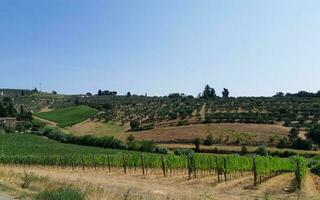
{"x": 225, "y": 132}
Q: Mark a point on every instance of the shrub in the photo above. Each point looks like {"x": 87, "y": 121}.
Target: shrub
{"x": 161, "y": 150}
{"x": 244, "y": 150}
{"x": 61, "y": 194}
{"x": 147, "y": 146}
{"x": 180, "y": 152}
{"x": 262, "y": 151}
{"x": 209, "y": 141}
{"x": 316, "y": 169}
{"x": 26, "y": 180}
{"x": 302, "y": 144}
{"x": 197, "y": 143}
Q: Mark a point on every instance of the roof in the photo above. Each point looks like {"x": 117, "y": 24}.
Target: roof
{"x": 2, "y": 118}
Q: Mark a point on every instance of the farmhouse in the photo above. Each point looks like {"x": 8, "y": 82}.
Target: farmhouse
{"x": 8, "y": 121}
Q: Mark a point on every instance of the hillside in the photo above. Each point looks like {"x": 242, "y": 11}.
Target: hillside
{"x": 68, "y": 116}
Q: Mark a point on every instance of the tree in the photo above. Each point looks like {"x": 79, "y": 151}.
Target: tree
{"x": 89, "y": 94}
{"x": 128, "y": 94}
{"x": 208, "y": 92}
{"x": 293, "y": 134}
{"x": 22, "y": 92}
{"x": 262, "y": 151}
{"x": 225, "y": 93}
{"x": 54, "y": 92}
{"x": 197, "y": 143}
{"x": 283, "y": 143}
{"x": 244, "y": 150}
{"x": 279, "y": 94}
{"x": 130, "y": 139}
{"x": 135, "y": 125}
{"x": 99, "y": 93}
{"x": 209, "y": 140}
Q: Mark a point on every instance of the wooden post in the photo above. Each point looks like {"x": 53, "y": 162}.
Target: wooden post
{"x": 82, "y": 163}
{"x": 94, "y": 162}
{"x": 298, "y": 177}
{"x": 142, "y": 164}
{"x": 254, "y": 170}
{"x": 163, "y": 166}
{"x": 218, "y": 169}
{"x": 225, "y": 168}
{"x": 72, "y": 164}
{"x": 189, "y": 166}
{"x": 109, "y": 166}
{"x": 124, "y": 164}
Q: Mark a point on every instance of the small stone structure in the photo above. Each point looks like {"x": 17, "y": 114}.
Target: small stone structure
{"x": 8, "y": 121}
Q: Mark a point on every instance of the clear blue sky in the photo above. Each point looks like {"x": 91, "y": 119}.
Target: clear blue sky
{"x": 161, "y": 46}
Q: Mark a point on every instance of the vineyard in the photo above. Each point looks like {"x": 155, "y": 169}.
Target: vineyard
{"x": 25, "y": 150}
{"x": 193, "y": 166}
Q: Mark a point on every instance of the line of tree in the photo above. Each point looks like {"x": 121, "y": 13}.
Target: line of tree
{"x": 298, "y": 94}
{"x": 107, "y": 93}
{"x": 210, "y": 92}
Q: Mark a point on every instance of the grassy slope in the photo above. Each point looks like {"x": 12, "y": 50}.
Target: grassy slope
{"x": 98, "y": 129}
{"x": 25, "y": 144}
{"x": 68, "y": 116}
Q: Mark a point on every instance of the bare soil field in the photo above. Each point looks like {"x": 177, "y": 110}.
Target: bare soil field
{"x": 235, "y": 148}
{"x": 226, "y": 133}
{"x": 102, "y": 185}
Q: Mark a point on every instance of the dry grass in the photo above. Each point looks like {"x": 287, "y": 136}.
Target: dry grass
{"x": 98, "y": 128}
{"x": 100, "y": 185}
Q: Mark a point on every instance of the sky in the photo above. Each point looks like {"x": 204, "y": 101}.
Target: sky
{"x": 253, "y": 48}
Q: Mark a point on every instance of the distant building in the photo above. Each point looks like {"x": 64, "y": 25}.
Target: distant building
{"x": 8, "y": 121}
{"x": 1, "y": 94}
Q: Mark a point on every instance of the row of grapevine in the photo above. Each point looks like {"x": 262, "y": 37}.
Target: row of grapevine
{"x": 199, "y": 165}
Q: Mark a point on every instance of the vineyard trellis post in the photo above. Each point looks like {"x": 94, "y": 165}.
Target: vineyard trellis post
{"x": 108, "y": 160}
{"x": 218, "y": 169}
{"x": 124, "y": 164}
{"x": 298, "y": 174}
{"x": 225, "y": 168}
{"x": 254, "y": 170}
{"x": 142, "y": 164}
{"x": 163, "y": 166}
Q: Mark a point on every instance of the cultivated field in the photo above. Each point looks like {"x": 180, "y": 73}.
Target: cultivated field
{"x": 68, "y": 116}
{"x": 31, "y": 145}
{"x": 226, "y": 133}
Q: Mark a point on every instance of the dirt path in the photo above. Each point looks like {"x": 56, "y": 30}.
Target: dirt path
{"x": 310, "y": 187}
{"x": 279, "y": 187}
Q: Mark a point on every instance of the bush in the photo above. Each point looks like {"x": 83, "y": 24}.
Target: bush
{"x": 209, "y": 141}
{"x": 262, "y": 151}
{"x": 316, "y": 169}
{"x": 26, "y": 180}
{"x": 302, "y": 144}
{"x": 61, "y": 194}
{"x": 147, "y": 146}
{"x": 180, "y": 152}
{"x": 244, "y": 150}
{"x": 161, "y": 150}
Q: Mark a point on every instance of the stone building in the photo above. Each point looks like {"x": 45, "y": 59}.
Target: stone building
{"x": 8, "y": 121}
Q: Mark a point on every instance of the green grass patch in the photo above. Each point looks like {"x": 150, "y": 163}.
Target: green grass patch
{"x": 68, "y": 116}
{"x": 61, "y": 194}
{"x": 32, "y": 145}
